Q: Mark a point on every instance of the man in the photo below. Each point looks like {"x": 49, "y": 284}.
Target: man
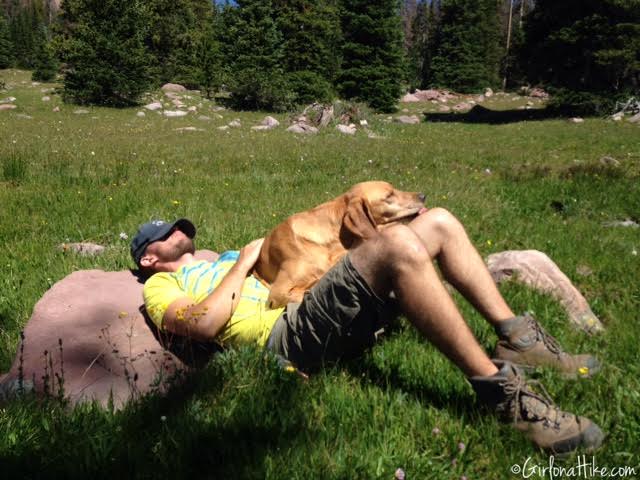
{"x": 340, "y": 315}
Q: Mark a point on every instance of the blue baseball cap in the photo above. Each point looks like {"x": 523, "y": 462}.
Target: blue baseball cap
{"x": 156, "y": 230}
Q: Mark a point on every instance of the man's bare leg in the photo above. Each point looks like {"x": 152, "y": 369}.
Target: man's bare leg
{"x": 446, "y": 240}
{"x": 397, "y": 260}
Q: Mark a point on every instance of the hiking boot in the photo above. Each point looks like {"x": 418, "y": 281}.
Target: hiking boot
{"x": 551, "y": 429}
{"x": 524, "y": 342}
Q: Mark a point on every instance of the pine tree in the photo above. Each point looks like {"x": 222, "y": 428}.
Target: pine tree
{"x": 25, "y": 24}
{"x": 45, "y": 64}
{"x": 585, "y": 46}
{"x": 253, "y": 51}
{"x": 103, "y": 48}
{"x": 6, "y": 45}
{"x": 176, "y": 34}
{"x": 311, "y": 36}
{"x": 419, "y": 55}
{"x": 468, "y": 46}
{"x": 210, "y": 73}
{"x": 372, "y": 62}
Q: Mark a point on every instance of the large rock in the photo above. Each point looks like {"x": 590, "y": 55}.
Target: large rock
{"x": 88, "y": 330}
{"x": 537, "y": 270}
{"x": 173, "y": 87}
{"x": 407, "y": 120}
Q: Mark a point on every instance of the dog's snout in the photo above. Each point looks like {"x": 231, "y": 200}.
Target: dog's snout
{"x": 422, "y": 197}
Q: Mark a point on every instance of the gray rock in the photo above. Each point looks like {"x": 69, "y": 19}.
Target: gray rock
{"x": 173, "y": 87}
{"x": 635, "y": 118}
{"x": 407, "y": 120}
{"x": 301, "y": 127}
{"x": 347, "y": 129}
{"x": 609, "y": 161}
{"x": 409, "y": 98}
{"x": 153, "y": 106}
{"x": 174, "y": 113}
{"x": 8, "y": 100}
{"x": 235, "y": 123}
{"x": 537, "y": 270}
{"x": 576, "y": 120}
{"x": 46, "y": 98}
{"x": 140, "y": 114}
{"x": 86, "y": 249}
{"x": 204, "y": 118}
{"x": 223, "y": 127}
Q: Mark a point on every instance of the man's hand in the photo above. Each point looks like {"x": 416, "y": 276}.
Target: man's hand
{"x": 206, "y": 319}
{"x": 249, "y": 254}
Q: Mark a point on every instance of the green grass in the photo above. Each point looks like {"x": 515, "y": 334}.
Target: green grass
{"x": 69, "y": 177}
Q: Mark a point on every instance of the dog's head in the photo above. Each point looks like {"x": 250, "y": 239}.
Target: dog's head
{"x": 375, "y": 205}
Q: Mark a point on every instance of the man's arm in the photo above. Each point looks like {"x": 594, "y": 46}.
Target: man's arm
{"x": 204, "y": 320}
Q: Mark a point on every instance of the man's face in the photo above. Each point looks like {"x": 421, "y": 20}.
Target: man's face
{"x": 170, "y": 248}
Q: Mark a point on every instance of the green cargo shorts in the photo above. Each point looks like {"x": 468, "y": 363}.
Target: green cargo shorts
{"x": 338, "y": 318}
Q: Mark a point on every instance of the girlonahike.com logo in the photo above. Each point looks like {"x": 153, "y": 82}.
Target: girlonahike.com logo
{"x": 585, "y": 467}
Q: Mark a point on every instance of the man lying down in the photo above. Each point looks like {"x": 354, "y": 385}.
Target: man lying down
{"x": 340, "y": 314}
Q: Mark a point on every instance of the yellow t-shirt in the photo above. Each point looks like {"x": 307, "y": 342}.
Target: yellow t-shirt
{"x": 252, "y": 320}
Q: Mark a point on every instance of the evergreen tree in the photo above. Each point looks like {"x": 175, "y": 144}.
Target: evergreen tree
{"x": 253, "y": 50}
{"x": 468, "y": 46}
{"x": 45, "y": 64}
{"x": 210, "y": 73}
{"x": 25, "y": 26}
{"x": 585, "y": 46}
{"x": 103, "y": 48}
{"x": 419, "y": 53}
{"x": 372, "y": 54}
{"x": 6, "y": 45}
{"x": 176, "y": 34}
{"x": 311, "y": 36}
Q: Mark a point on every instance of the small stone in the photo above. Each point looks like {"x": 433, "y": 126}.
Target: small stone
{"x": 223, "y": 127}
{"x": 436, "y": 431}
{"x": 193, "y": 108}
{"x": 189, "y": 129}
{"x": 622, "y": 223}
{"x": 634, "y": 119}
{"x": 153, "y": 106}
{"x": 617, "y": 117}
{"x": 46, "y": 98}
{"x": 364, "y": 123}
{"x": 584, "y": 270}
{"x": 444, "y": 109}
{"x": 174, "y": 113}
{"x": 609, "y": 161}
{"x": 56, "y": 109}
{"x": 81, "y": 111}
{"x": 86, "y": 249}
{"x": 301, "y": 127}
{"x": 8, "y": 100}
{"x": 407, "y": 120}
{"x": 173, "y": 87}
{"x": 204, "y": 118}
{"x": 576, "y": 120}
{"x": 24, "y": 116}
{"x": 7, "y": 106}
{"x": 346, "y": 129}
{"x": 461, "y": 107}
{"x": 235, "y": 123}
{"x": 140, "y": 114}
{"x": 488, "y": 93}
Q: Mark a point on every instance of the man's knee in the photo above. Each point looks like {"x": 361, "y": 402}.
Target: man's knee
{"x": 401, "y": 245}
{"x": 443, "y": 222}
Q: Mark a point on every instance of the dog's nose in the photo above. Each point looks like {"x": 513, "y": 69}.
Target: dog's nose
{"x": 421, "y": 197}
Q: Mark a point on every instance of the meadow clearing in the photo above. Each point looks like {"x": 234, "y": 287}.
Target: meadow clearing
{"x": 95, "y": 176}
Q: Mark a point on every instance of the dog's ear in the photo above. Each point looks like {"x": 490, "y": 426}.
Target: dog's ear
{"x": 357, "y": 223}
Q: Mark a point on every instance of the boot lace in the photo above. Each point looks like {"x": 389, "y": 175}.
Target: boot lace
{"x": 515, "y": 389}
{"x": 550, "y": 342}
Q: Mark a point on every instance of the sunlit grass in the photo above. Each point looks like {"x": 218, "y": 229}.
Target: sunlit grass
{"x": 89, "y": 177}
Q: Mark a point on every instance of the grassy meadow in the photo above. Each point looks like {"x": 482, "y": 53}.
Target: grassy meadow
{"x": 71, "y": 177}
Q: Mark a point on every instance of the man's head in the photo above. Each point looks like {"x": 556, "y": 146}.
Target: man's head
{"x": 159, "y": 243}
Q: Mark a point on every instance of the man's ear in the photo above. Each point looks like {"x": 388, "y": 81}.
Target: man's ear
{"x": 148, "y": 261}
{"x": 357, "y": 223}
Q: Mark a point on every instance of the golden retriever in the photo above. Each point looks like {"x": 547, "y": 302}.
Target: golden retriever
{"x": 306, "y": 245}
